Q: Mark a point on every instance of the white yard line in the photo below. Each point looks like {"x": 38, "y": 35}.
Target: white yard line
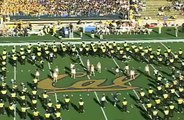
{"x": 115, "y": 62}
{"x": 179, "y": 60}
{"x": 88, "y": 42}
{"x": 104, "y": 114}
{"x": 101, "y": 107}
{"x": 55, "y": 94}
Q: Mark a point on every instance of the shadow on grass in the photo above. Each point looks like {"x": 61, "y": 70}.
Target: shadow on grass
{"x": 110, "y": 101}
{"x": 111, "y": 72}
{"x": 96, "y": 101}
{"x": 134, "y": 98}
{"x": 75, "y": 107}
{"x": 171, "y": 34}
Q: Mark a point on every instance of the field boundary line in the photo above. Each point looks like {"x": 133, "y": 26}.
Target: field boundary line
{"x": 88, "y": 42}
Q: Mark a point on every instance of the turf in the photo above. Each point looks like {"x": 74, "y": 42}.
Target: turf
{"x": 92, "y": 107}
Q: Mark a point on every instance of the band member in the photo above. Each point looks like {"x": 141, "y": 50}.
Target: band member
{"x": 67, "y": 102}
{"x": 127, "y": 69}
{"x": 2, "y": 107}
{"x": 34, "y": 101}
{"x": 166, "y": 113}
{"x": 99, "y": 67}
{"x": 51, "y": 57}
{"x": 150, "y": 92}
{"x": 58, "y": 106}
{"x": 132, "y": 74}
{"x": 36, "y": 114}
{"x": 125, "y": 105}
{"x": 56, "y": 70}
{"x": 116, "y": 99}
{"x": 11, "y": 109}
{"x": 37, "y": 74}
{"x": 88, "y": 65}
{"x": 155, "y": 113}
{"x": 117, "y": 71}
{"x": 4, "y": 93}
{"x": 13, "y": 95}
{"x": 34, "y": 91}
{"x": 33, "y": 59}
{"x": 142, "y": 95}
{"x": 35, "y": 82}
{"x": 157, "y": 101}
{"x": 171, "y": 107}
{"x": 23, "y": 96}
{"x": 92, "y": 70}
{"x": 147, "y": 69}
{"x": 47, "y": 115}
{"x": 49, "y": 106}
{"x": 55, "y": 76}
{"x": 180, "y": 104}
{"x": 149, "y": 106}
{"x": 81, "y": 106}
{"x": 45, "y": 97}
{"x": 73, "y": 72}
{"x": 41, "y": 64}
{"x": 57, "y": 115}
{"x": 24, "y": 109}
{"x": 103, "y": 100}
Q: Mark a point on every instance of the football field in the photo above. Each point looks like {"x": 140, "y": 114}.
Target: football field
{"x": 91, "y": 88}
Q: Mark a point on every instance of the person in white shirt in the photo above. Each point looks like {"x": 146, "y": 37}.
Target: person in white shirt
{"x": 72, "y": 66}
{"x": 103, "y": 100}
{"x": 55, "y": 76}
{"x": 56, "y": 70}
{"x": 117, "y": 71}
{"x": 132, "y": 74}
{"x": 73, "y": 72}
{"x": 127, "y": 69}
{"x": 37, "y": 74}
{"x": 99, "y": 67}
{"x": 92, "y": 70}
{"x": 88, "y": 65}
{"x": 147, "y": 69}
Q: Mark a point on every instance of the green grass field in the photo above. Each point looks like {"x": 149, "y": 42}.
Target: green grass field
{"x": 22, "y": 73}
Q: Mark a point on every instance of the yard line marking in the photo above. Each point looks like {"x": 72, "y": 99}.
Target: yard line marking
{"x": 134, "y": 92}
{"x": 15, "y": 112}
{"x": 49, "y": 42}
{"x": 104, "y": 114}
{"x": 115, "y": 62}
{"x": 101, "y": 107}
{"x": 55, "y": 94}
{"x": 179, "y": 60}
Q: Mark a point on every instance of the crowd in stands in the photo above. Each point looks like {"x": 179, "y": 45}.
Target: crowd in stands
{"x": 175, "y": 5}
{"x": 136, "y": 6}
{"x": 178, "y": 5}
{"x": 64, "y": 7}
{"x": 72, "y": 8}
